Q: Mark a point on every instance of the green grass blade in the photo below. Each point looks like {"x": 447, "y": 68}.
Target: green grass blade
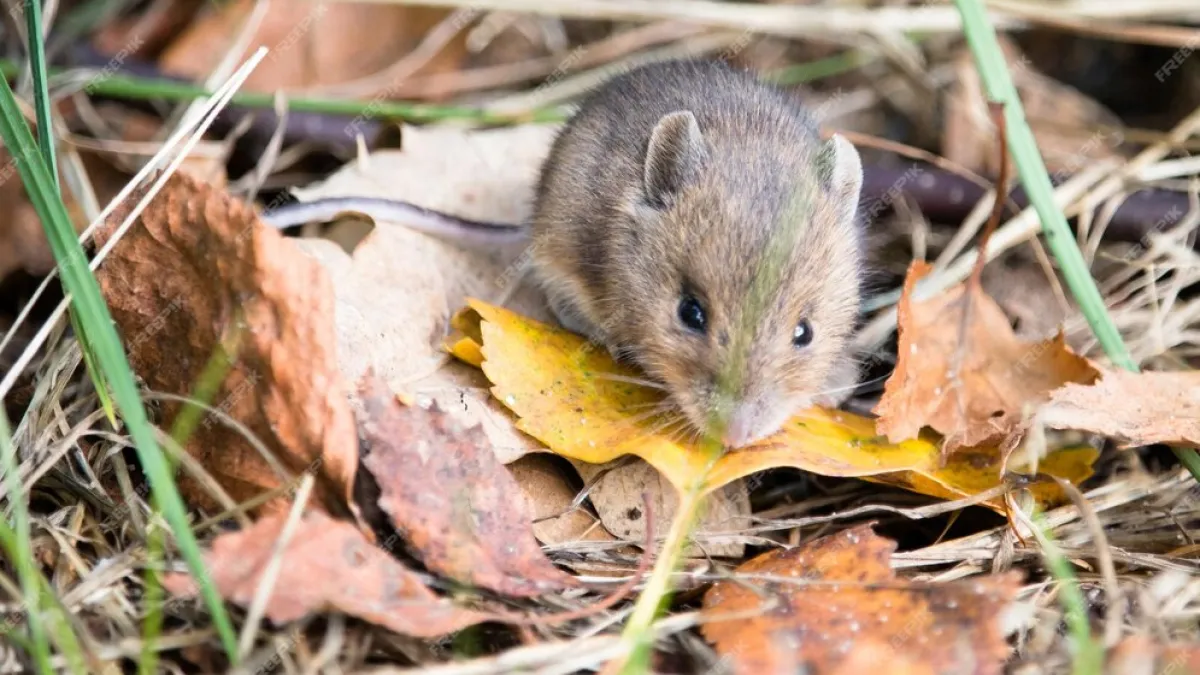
{"x": 1089, "y": 655}
{"x": 97, "y": 323}
{"x": 993, "y": 70}
{"x": 20, "y": 549}
{"x": 89, "y": 361}
{"x": 999, "y": 86}
{"x": 37, "y": 66}
{"x": 152, "y": 627}
{"x": 45, "y": 137}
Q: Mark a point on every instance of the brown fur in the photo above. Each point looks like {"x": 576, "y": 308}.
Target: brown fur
{"x": 614, "y": 260}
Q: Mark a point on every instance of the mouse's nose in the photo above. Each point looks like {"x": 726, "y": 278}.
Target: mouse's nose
{"x": 741, "y": 428}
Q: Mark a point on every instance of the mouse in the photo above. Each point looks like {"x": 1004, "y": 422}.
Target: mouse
{"x": 691, "y": 219}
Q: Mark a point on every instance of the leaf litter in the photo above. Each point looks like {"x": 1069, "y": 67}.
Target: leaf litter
{"x": 833, "y": 605}
{"x": 196, "y": 272}
{"x": 973, "y": 388}
{"x": 832, "y": 443}
{"x": 327, "y": 565}
{"x": 1158, "y": 529}
{"x": 1134, "y": 408}
{"x": 451, "y": 499}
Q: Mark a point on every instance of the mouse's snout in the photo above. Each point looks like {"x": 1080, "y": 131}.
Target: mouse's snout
{"x": 741, "y": 428}
{"x": 752, "y": 420}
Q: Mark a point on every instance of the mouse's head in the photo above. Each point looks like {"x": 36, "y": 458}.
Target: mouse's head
{"x": 744, "y": 260}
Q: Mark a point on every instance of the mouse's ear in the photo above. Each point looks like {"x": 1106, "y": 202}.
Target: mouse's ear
{"x": 674, "y": 155}
{"x": 840, "y": 169}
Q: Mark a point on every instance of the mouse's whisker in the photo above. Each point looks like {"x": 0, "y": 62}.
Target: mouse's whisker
{"x": 650, "y": 414}
{"x": 852, "y": 387}
{"x": 664, "y": 403}
{"x": 650, "y": 384}
{"x": 657, "y": 430}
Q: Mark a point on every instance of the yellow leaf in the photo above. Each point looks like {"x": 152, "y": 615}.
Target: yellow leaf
{"x": 974, "y": 470}
{"x": 562, "y": 390}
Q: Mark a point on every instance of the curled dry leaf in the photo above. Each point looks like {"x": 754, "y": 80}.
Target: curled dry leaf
{"x": 549, "y": 498}
{"x": 198, "y": 269}
{"x": 617, "y": 496}
{"x": 1135, "y": 408}
{"x": 834, "y": 603}
{"x": 972, "y": 388}
{"x": 327, "y": 564}
{"x": 449, "y": 496}
{"x": 557, "y": 384}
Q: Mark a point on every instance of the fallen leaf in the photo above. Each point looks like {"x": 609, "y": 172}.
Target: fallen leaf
{"x": 982, "y": 398}
{"x": 318, "y": 44}
{"x": 835, "y": 601}
{"x": 449, "y": 497}
{"x": 198, "y": 268}
{"x": 552, "y": 380}
{"x": 1136, "y": 408}
{"x": 617, "y": 496}
{"x": 550, "y": 498}
{"x": 395, "y": 292}
{"x": 327, "y": 565}
{"x": 976, "y": 470}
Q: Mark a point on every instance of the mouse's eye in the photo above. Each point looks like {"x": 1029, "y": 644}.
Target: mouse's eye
{"x": 691, "y": 314}
{"x": 802, "y": 334}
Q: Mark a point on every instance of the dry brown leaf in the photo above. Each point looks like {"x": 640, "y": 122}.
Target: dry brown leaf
{"x": 449, "y": 496}
{"x": 198, "y": 268}
{"x": 1135, "y": 408}
{"x": 396, "y": 291}
{"x": 313, "y": 44}
{"x": 617, "y": 496}
{"x": 1063, "y": 119}
{"x": 980, "y": 399}
{"x": 833, "y": 605}
{"x": 549, "y": 498}
{"x": 327, "y": 565}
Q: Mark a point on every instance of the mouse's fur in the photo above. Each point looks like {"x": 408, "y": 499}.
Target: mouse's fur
{"x": 692, "y": 176}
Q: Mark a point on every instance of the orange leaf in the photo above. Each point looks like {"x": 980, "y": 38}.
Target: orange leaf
{"x": 198, "y": 268}
{"x": 450, "y": 497}
{"x": 1137, "y": 408}
{"x": 972, "y": 388}
{"x": 327, "y": 564}
{"x": 555, "y": 382}
{"x": 834, "y": 605}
